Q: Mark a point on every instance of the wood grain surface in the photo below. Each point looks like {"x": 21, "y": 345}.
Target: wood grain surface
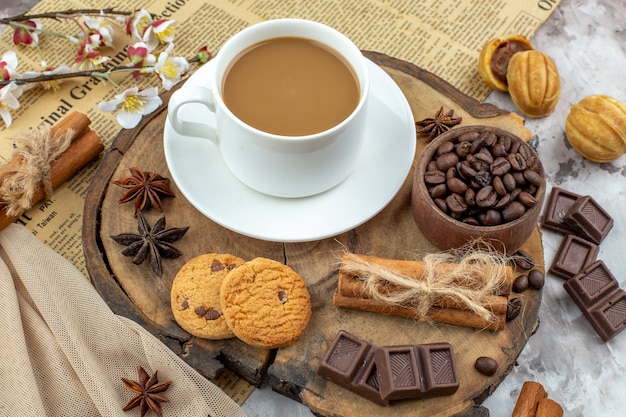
{"x": 135, "y": 292}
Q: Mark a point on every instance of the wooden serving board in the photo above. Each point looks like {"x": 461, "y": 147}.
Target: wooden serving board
{"x": 134, "y": 291}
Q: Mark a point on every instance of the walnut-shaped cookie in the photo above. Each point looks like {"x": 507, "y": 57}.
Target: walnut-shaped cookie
{"x": 493, "y": 60}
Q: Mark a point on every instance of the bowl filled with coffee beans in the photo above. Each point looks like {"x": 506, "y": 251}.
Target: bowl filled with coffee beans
{"x": 478, "y": 183}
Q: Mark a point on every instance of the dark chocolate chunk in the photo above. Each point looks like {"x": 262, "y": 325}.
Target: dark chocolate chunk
{"x": 345, "y": 358}
{"x": 486, "y": 365}
{"x": 439, "y": 369}
{"x": 589, "y": 220}
{"x": 596, "y": 292}
{"x": 367, "y": 385}
{"x": 559, "y": 203}
{"x": 398, "y": 372}
{"x": 572, "y": 256}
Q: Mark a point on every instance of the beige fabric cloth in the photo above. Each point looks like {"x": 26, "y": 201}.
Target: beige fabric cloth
{"x": 63, "y": 351}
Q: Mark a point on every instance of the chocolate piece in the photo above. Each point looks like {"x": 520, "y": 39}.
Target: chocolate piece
{"x": 596, "y": 292}
{"x": 438, "y": 369}
{"x": 573, "y": 255}
{"x": 349, "y": 363}
{"x": 559, "y": 203}
{"x": 589, "y": 220}
{"x": 398, "y": 372}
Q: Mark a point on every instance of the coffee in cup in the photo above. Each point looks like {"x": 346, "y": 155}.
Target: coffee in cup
{"x": 289, "y": 98}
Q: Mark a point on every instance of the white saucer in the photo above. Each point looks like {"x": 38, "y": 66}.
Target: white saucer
{"x": 197, "y": 168}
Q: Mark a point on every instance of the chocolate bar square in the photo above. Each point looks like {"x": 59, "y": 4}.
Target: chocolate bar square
{"x": 345, "y": 358}
{"x": 609, "y": 317}
{"x": 589, "y": 220}
{"x": 572, "y": 256}
{"x": 398, "y": 372}
{"x": 367, "y": 384}
{"x": 592, "y": 284}
{"x": 559, "y": 203}
{"x": 438, "y": 369}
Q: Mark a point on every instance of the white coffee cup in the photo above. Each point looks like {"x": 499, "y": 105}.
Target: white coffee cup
{"x": 282, "y": 166}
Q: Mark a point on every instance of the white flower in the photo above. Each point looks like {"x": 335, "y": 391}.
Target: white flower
{"x": 137, "y": 25}
{"x": 102, "y": 27}
{"x": 8, "y": 66}
{"x": 159, "y": 33}
{"x": 9, "y": 95}
{"x": 170, "y": 69}
{"x": 133, "y": 105}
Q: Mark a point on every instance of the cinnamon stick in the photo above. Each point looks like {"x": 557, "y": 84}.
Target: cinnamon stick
{"x": 440, "y": 315}
{"x": 83, "y": 150}
{"x": 528, "y": 399}
{"x": 416, "y": 269}
{"x": 78, "y": 122}
{"x": 549, "y": 408}
{"x": 351, "y": 286}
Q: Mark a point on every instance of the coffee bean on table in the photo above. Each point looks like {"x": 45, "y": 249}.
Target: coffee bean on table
{"x": 524, "y": 260}
{"x": 520, "y": 284}
{"x": 536, "y": 279}
{"x": 513, "y": 308}
{"x": 486, "y": 365}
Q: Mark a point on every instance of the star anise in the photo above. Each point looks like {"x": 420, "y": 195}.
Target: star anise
{"x": 442, "y": 122}
{"x": 148, "y": 391}
{"x": 146, "y": 188}
{"x": 153, "y": 242}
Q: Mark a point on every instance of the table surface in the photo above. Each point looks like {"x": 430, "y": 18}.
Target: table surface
{"x": 587, "y": 40}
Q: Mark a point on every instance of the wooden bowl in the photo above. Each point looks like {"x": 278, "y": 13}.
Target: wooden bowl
{"x": 444, "y": 231}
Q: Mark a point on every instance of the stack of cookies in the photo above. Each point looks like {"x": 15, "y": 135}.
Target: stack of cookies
{"x": 262, "y": 302}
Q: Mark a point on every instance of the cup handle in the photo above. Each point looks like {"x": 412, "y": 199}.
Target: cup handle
{"x": 197, "y": 95}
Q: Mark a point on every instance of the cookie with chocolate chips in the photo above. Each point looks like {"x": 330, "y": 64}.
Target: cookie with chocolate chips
{"x": 265, "y": 303}
{"x": 195, "y": 295}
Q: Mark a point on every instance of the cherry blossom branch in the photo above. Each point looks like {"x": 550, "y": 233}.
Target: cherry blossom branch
{"x": 60, "y": 14}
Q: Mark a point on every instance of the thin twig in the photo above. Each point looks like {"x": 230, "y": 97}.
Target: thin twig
{"x": 55, "y": 15}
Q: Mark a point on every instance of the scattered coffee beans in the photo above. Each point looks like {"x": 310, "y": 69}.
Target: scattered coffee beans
{"x": 520, "y": 284}
{"x": 513, "y": 308}
{"x": 486, "y": 365}
{"x": 536, "y": 279}
{"x": 524, "y": 260}
{"x": 484, "y": 178}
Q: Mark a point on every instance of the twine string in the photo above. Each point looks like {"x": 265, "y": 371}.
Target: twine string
{"x": 38, "y": 150}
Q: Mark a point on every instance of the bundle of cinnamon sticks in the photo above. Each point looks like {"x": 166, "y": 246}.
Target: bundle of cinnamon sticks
{"x": 353, "y": 292}
{"x": 85, "y": 146}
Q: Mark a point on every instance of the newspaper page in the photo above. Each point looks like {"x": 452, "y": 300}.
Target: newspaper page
{"x": 442, "y": 36}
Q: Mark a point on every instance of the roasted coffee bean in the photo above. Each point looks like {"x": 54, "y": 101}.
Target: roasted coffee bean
{"x": 520, "y": 284}
{"x": 440, "y": 202}
{"x": 527, "y": 199}
{"x": 473, "y": 221}
{"x": 524, "y": 260}
{"x": 432, "y": 166}
{"x": 492, "y": 218}
{"x": 533, "y": 177}
{"x": 468, "y": 136}
{"x": 515, "y": 194}
{"x": 500, "y": 166}
{"x": 445, "y": 147}
{"x": 486, "y": 197}
{"x": 477, "y": 143}
{"x": 515, "y": 145}
{"x": 513, "y": 211}
{"x": 503, "y": 202}
{"x": 456, "y": 203}
{"x": 483, "y": 178}
{"x": 519, "y": 178}
{"x": 482, "y": 161}
{"x": 447, "y": 160}
{"x": 470, "y": 197}
{"x": 456, "y": 185}
{"x": 517, "y": 161}
{"x": 498, "y": 185}
{"x": 536, "y": 279}
{"x": 465, "y": 170}
{"x": 438, "y": 191}
{"x": 506, "y": 142}
{"x": 490, "y": 139}
{"x": 498, "y": 150}
{"x": 513, "y": 308}
{"x": 486, "y": 365}
{"x": 526, "y": 152}
{"x": 451, "y": 173}
{"x": 509, "y": 182}
{"x": 463, "y": 148}
{"x": 434, "y": 177}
